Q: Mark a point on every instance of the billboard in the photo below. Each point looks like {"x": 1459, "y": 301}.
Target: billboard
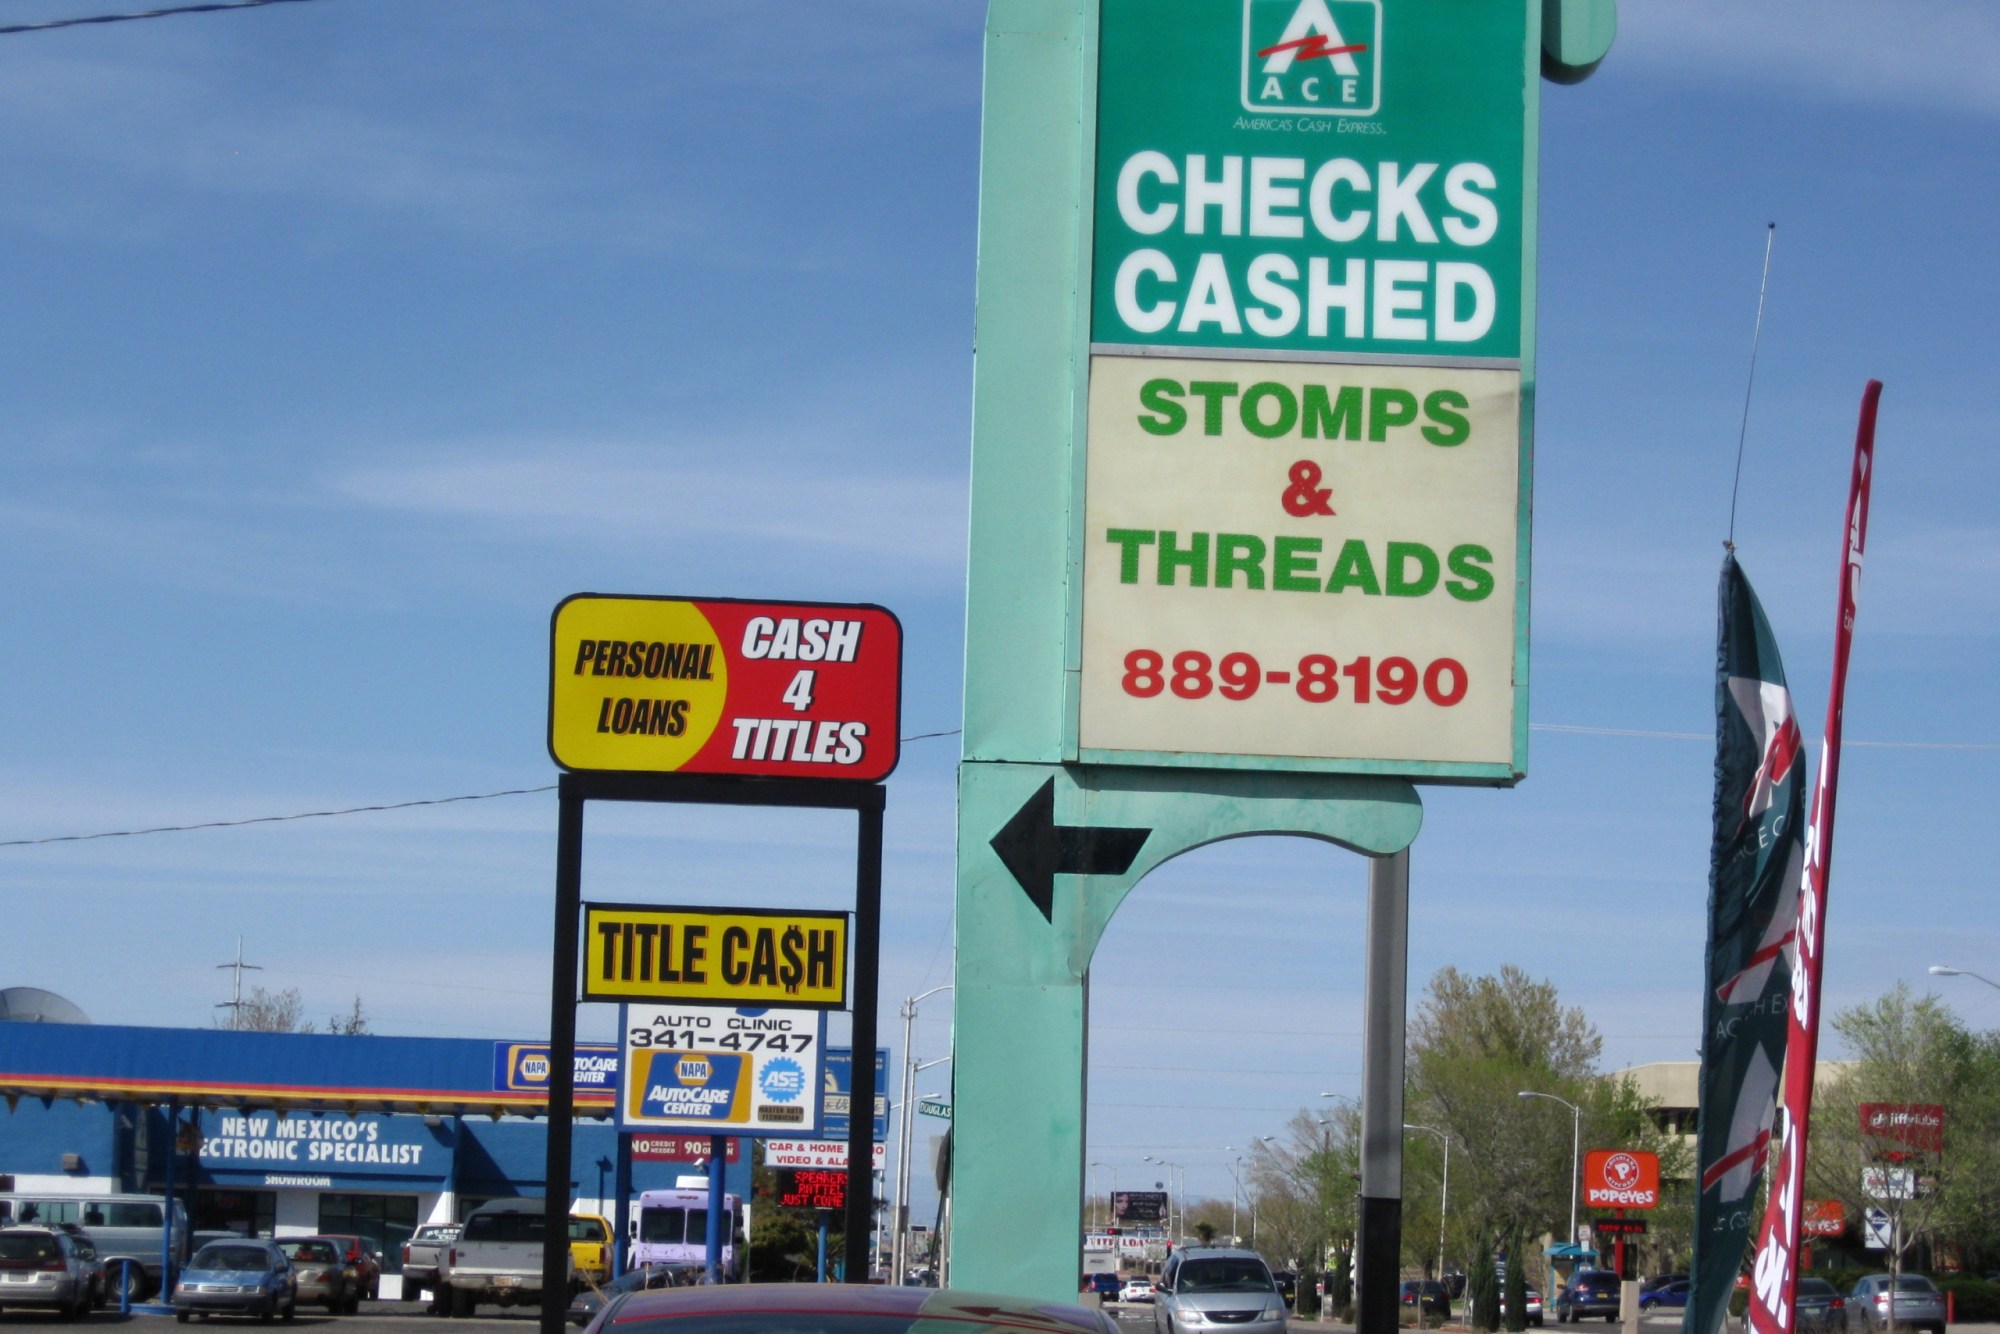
{"x": 716, "y": 956}
{"x": 1898, "y": 1129}
{"x": 810, "y": 1188}
{"x": 838, "y": 1089}
{"x": 681, "y": 1148}
{"x": 523, "y": 1067}
{"x": 1139, "y": 1206}
{"x": 718, "y": 686}
{"x": 720, "y": 1071}
{"x": 1621, "y": 1179}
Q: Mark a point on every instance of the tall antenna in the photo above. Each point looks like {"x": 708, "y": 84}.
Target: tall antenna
{"x": 1770, "y": 237}
{"x": 235, "y": 1007}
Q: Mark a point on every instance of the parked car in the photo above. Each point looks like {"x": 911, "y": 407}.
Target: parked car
{"x": 1136, "y": 1290}
{"x": 1428, "y": 1296}
{"x": 1288, "y": 1284}
{"x": 366, "y": 1264}
{"x": 1532, "y": 1301}
{"x": 1818, "y": 1308}
{"x": 40, "y": 1267}
{"x": 583, "y": 1308}
{"x": 239, "y": 1277}
{"x": 1670, "y": 1294}
{"x": 1591, "y": 1292}
{"x": 1918, "y": 1303}
{"x": 754, "y": 1308}
{"x": 88, "y": 1254}
{"x": 497, "y": 1259}
{"x": 1217, "y": 1286}
{"x": 323, "y": 1274}
{"x": 423, "y": 1258}
{"x": 590, "y": 1247}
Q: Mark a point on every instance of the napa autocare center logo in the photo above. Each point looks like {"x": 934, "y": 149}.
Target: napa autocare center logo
{"x": 691, "y": 1086}
{"x": 1313, "y": 57}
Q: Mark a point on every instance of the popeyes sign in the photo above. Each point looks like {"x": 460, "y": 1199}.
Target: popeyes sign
{"x": 1621, "y": 1179}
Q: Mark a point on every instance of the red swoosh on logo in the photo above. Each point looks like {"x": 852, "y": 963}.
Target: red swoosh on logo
{"x": 1312, "y": 48}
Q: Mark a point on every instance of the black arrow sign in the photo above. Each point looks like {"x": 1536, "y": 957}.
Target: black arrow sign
{"x": 1037, "y": 849}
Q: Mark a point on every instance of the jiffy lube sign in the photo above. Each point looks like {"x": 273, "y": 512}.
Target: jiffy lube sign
{"x": 1304, "y": 518}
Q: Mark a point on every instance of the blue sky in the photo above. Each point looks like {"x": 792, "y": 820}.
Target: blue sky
{"x": 342, "y": 339}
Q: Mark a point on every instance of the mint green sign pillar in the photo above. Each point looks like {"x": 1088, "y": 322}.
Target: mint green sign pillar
{"x": 1252, "y": 435}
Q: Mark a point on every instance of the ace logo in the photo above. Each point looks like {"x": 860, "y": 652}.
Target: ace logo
{"x": 1313, "y": 57}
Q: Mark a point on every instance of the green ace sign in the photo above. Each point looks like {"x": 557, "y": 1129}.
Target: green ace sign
{"x": 1331, "y": 176}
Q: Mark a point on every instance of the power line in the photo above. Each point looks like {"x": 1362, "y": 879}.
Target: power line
{"x": 1569, "y": 729}
{"x": 326, "y": 815}
{"x": 208, "y": 8}
{"x": 274, "y": 819}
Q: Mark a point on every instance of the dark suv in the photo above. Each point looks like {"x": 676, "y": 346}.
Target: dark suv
{"x": 1591, "y": 1292}
{"x": 1427, "y": 1295}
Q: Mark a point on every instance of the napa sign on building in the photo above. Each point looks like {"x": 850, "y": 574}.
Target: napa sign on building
{"x": 1307, "y": 435}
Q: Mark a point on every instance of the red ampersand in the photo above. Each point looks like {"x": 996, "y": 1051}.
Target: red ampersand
{"x": 1305, "y": 496}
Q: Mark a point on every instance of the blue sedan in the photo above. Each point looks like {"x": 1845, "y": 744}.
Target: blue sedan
{"x": 1667, "y": 1294}
{"x": 246, "y": 1277}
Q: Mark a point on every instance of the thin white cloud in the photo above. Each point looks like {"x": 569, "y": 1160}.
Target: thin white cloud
{"x": 1941, "y": 54}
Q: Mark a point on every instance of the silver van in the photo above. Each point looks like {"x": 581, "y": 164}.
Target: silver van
{"x": 1205, "y": 1286}
{"x": 125, "y": 1229}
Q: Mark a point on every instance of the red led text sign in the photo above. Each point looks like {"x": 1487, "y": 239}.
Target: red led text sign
{"x": 805, "y": 1188}
{"x": 714, "y": 686}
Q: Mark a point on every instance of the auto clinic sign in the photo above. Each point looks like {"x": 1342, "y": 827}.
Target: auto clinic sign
{"x": 722, "y": 687}
{"x": 744, "y": 1071}
{"x": 1304, "y": 520}
{"x": 1621, "y": 1179}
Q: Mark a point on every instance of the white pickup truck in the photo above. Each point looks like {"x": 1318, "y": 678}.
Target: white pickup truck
{"x": 497, "y": 1259}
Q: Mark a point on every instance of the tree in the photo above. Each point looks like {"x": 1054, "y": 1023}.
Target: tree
{"x": 1475, "y": 1044}
{"x": 1906, "y": 1049}
{"x": 1482, "y": 1291}
{"x": 270, "y": 1012}
{"x": 1304, "y": 1186}
{"x": 352, "y": 1024}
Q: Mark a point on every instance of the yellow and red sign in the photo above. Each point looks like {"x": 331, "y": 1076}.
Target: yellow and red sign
{"x": 717, "y": 686}
{"x": 1621, "y": 1179}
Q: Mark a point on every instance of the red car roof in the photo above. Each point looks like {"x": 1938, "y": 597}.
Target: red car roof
{"x": 975, "y": 1308}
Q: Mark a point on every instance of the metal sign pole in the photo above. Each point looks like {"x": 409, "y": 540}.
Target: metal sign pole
{"x": 861, "y": 1082}
{"x": 562, "y": 1055}
{"x": 1382, "y": 1094}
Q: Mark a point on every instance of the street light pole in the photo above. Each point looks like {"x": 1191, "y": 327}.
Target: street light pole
{"x": 1937, "y": 970}
{"x": 856, "y": 1101}
{"x": 1575, "y": 1145}
{"x": 1444, "y": 1194}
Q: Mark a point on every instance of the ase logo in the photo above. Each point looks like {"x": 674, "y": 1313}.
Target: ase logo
{"x": 1317, "y": 57}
